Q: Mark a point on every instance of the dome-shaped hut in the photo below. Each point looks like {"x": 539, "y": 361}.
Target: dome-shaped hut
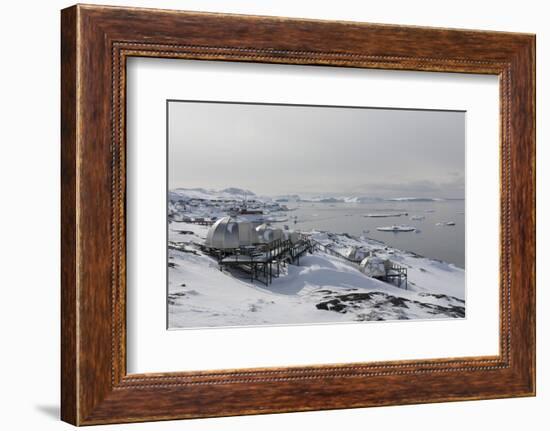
{"x": 247, "y": 235}
{"x": 231, "y": 232}
{"x": 356, "y": 254}
{"x": 291, "y": 235}
{"x": 267, "y": 234}
{"x": 224, "y": 234}
{"x": 374, "y": 266}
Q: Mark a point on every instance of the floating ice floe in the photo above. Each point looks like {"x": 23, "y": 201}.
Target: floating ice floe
{"x": 275, "y": 219}
{"x": 396, "y": 228}
{"x": 447, "y": 223}
{"x": 384, "y": 214}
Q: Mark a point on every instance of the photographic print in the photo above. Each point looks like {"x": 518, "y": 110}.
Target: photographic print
{"x": 305, "y": 214}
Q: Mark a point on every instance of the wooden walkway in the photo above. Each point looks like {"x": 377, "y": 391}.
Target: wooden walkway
{"x": 202, "y": 222}
{"x": 263, "y": 262}
{"x": 394, "y": 273}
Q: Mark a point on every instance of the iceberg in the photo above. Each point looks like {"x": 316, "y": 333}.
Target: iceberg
{"x": 396, "y": 228}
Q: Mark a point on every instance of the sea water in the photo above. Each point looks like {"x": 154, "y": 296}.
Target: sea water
{"x": 432, "y": 238}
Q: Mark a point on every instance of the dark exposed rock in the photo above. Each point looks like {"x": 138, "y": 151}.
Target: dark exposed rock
{"x": 441, "y": 296}
{"x": 172, "y": 297}
{"x": 333, "y": 305}
{"x": 398, "y": 301}
{"x": 324, "y": 291}
{"x": 383, "y": 306}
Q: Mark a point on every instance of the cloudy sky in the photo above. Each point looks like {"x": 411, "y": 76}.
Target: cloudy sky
{"x": 275, "y": 150}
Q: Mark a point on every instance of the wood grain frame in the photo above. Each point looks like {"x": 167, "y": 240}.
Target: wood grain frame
{"x": 95, "y": 43}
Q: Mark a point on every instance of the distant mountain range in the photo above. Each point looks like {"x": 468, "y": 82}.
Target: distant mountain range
{"x": 236, "y": 193}
{"x": 201, "y": 193}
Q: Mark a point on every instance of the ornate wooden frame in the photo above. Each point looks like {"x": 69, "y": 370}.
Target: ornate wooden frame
{"x": 95, "y": 42}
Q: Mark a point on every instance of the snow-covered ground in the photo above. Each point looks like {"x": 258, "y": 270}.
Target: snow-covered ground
{"x": 324, "y": 288}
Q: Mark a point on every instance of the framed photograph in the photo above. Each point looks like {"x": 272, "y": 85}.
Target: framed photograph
{"x": 338, "y": 232}
{"x": 267, "y": 215}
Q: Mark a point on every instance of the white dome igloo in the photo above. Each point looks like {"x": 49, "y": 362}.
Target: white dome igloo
{"x": 224, "y": 234}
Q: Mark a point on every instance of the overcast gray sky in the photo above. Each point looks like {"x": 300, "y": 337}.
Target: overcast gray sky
{"x": 274, "y": 150}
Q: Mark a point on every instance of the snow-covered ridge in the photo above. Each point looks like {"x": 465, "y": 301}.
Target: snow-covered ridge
{"x": 209, "y": 204}
{"x": 233, "y": 193}
{"x": 240, "y": 194}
